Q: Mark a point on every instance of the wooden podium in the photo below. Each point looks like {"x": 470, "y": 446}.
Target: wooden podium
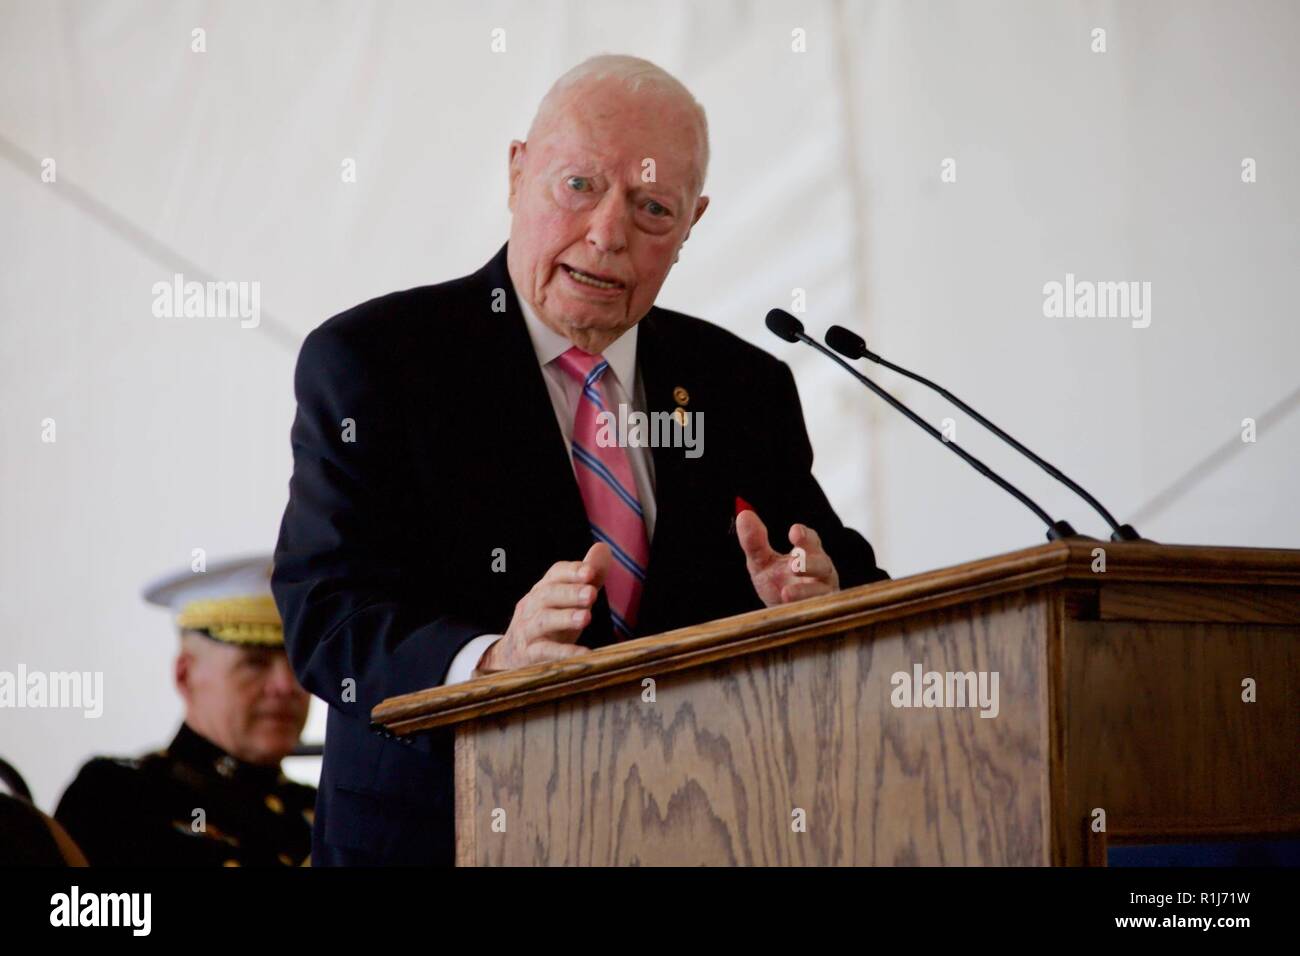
{"x": 1123, "y": 699}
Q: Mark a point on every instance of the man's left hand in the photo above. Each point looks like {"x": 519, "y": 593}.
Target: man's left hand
{"x": 806, "y": 571}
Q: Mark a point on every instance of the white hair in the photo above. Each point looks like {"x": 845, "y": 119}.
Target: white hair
{"x": 635, "y": 74}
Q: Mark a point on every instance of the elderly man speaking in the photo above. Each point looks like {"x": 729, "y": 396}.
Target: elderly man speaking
{"x": 468, "y": 495}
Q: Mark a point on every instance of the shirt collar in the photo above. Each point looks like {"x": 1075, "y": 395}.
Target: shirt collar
{"x": 550, "y": 345}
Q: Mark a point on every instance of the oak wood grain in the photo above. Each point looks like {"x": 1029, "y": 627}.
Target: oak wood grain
{"x": 711, "y": 771}
{"x": 758, "y": 631}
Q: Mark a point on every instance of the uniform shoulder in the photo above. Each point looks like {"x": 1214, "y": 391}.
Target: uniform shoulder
{"x": 103, "y": 781}
{"x": 101, "y": 770}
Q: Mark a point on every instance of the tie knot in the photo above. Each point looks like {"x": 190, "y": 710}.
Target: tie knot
{"x": 583, "y": 366}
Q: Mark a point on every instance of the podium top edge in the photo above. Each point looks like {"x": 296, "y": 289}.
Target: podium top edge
{"x": 1072, "y": 561}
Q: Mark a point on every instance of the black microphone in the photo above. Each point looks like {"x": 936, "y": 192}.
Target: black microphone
{"x": 785, "y": 325}
{"x": 854, "y": 346}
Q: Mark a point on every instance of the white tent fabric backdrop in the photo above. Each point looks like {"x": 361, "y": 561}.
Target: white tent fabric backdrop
{"x": 172, "y": 434}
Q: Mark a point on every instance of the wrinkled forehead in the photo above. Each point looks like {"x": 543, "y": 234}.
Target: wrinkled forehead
{"x": 617, "y": 131}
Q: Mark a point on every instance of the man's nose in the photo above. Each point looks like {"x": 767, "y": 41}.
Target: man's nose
{"x": 282, "y": 679}
{"x": 607, "y": 229}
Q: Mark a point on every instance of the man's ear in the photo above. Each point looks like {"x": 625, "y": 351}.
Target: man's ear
{"x": 516, "y": 165}
{"x": 181, "y": 670}
{"x": 701, "y": 204}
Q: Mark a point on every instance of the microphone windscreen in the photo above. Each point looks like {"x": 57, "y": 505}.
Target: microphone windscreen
{"x": 847, "y": 343}
{"x": 784, "y": 324}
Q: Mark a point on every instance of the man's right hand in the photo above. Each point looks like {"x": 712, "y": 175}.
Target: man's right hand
{"x": 550, "y": 617}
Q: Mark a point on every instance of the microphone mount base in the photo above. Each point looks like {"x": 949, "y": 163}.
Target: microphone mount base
{"x": 1061, "y": 529}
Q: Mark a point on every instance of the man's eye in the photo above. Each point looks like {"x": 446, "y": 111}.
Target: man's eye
{"x": 578, "y": 183}
{"x": 656, "y": 209}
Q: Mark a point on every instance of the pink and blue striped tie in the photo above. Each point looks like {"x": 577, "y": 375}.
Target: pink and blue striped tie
{"x": 609, "y": 494}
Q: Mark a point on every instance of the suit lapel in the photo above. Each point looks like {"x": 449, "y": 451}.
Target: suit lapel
{"x": 664, "y": 368}
{"x": 541, "y": 462}
{"x": 547, "y": 491}
{"x": 538, "y": 461}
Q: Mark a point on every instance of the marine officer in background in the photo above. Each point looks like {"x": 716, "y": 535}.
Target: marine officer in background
{"x": 216, "y": 795}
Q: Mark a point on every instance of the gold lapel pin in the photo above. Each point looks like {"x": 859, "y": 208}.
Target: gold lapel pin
{"x": 681, "y": 396}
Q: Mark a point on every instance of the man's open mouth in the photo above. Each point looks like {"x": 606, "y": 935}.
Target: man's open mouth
{"x": 591, "y": 279}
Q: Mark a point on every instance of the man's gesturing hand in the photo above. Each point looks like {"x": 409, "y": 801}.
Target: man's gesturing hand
{"x": 781, "y": 578}
{"x": 550, "y": 617}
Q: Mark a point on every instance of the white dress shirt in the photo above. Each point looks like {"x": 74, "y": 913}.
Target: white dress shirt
{"x": 618, "y": 382}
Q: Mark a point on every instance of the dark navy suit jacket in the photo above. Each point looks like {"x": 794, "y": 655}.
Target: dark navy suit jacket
{"x": 384, "y": 566}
